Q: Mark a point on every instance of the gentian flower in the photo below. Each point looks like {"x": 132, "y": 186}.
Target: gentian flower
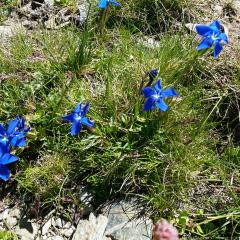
{"x": 212, "y": 36}
{"x": 78, "y": 118}
{"x": 5, "y": 158}
{"x": 156, "y": 95}
{"x": 15, "y": 135}
{"x": 104, "y": 3}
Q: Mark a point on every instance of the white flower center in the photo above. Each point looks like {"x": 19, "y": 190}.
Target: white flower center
{"x": 4, "y": 139}
{"x": 156, "y": 96}
{"x": 214, "y": 37}
{"x": 78, "y": 117}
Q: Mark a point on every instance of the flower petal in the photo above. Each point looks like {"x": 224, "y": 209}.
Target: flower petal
{"x": 78, "y": 108}
{"x": 12, "y": 125}
{"x": 87, "y": 122}
{"x": 223, "y": 37}
{"x": 69, "y": 117}
{"x": 3, "y": 149}
{"x": 158, "y": 86}
{"x": 206, "y": 43}
{"x": 203, "y": 30}
{"x": 217, "y": 49}
{"x": 102, "y": 4}
{"x": 4, "y": 141}
{"x": 85, "y": 109}
{"x": 148, "y": 92}
{"x": 76, "y": 128}
{"x": 169, "y": 92}
{"x": 161, "y": 105}
{"x": 149, "y": 104}
{"x": 117, "y": 4}
{"x": 8, "y": 158}
{"x": 2, "y": 129}
{"x": 18, "y": 141}
{"x": 216, "y": 25}
{"x": 4, "y": 172}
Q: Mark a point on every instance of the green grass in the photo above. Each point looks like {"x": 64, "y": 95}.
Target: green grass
{"x": 7, "y": 236}
{"x": 176, "y": 162}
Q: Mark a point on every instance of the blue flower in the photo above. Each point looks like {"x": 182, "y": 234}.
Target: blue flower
{"x": 212, "y": 35}
{"x": 104, "y": 3}
{"x": 21, "y": 125}
{"x": 15, "y": 134}
{"x": 5, "y": 158}
{"x": 78, "y": 118}
{"x": 156, "y": 95}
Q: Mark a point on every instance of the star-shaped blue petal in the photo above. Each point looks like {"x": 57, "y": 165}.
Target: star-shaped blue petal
{"x": 156, "y": 95}
{"x": 212, "y": 35}
{"x": 15, "y": 134}
{"x": 5, "y": 158}
{"x": 78, "y": 118}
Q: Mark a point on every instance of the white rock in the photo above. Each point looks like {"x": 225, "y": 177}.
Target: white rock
{"x": 59, "y": 223}
{"x": 92, "y": 229}
{"x": 67, "y": 225}
{"x": 49, "y": 2}
{"x": 4, "y": 214}
{"x": 15, "y": 213}
{"x": 191, "y": 26}
{"x": 121, "y": 227}
{"x": 24, "y": 234}
{"x": 11, "y": 221}
{"x": 68, "y": 232}
{"x": 57, "y": 238}
{"x": 218, "y": 11}
{"x": 46, "y": 227}
{"x": 83, "y": 8}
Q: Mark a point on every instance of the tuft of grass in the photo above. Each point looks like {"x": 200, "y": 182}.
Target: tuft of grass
{"x": 45, "y": 177}
{"x": 153, "y": 16}
{"x": 4, "y": 235}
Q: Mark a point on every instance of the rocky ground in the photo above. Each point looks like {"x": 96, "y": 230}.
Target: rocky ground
{"x": 117, "y": 221}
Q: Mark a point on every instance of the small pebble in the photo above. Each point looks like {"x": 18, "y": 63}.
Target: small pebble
{"x": 68, "y": 232}
{"x": 58, "y": 223}
{"x": 67, "y": 225}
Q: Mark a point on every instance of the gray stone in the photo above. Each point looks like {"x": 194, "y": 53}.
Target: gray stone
{"x": 92, "y": 229}
{"x": 123, "y": 225}
{"x": 218, "y": 11}
{"x": 83, "y": 8}
{"x": 68, "y": 232}
{"x": 26, "y": 233}
{"x": 15, "y": 213}
{"x": 67, "y": 225}
{"x": 49, "y": 2}
{"x": 191, "y": 26}
{"x": 4, "y": 214}
{"x": 58, "y": 223}
{"x": 11, "y": 221}
{"x": 58, "y": 238}
{"x": 46, "y": 227}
